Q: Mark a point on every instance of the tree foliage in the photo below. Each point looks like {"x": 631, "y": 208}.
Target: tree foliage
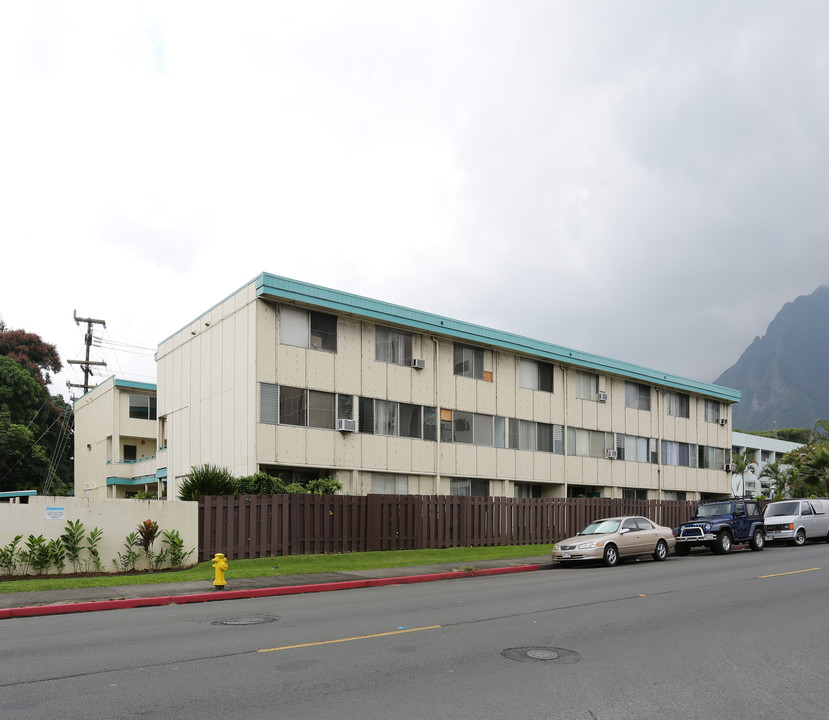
{"x": 35, "y": 428}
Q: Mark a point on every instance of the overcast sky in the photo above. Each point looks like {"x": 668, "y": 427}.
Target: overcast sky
{"x": 643, "y": 180}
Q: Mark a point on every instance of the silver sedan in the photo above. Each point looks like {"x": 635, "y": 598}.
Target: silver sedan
{"x": 611, "y": 539}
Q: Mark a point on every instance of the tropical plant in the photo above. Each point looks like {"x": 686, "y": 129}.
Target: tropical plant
{"x": 92, "y": 540}
{"x": 147, "y": 533}
{"x": 743, "y": 463}
{"x": 57, "y": 555}
{"x": 36, "y": 554}
{"x": 206, "y": 480}
{"x": 778, "y": 477}
{"x": 126, "y": 560}
{"x": 10, "y": 555}
{"x": 72, "y": 539}
{"x": 175, "y": 548}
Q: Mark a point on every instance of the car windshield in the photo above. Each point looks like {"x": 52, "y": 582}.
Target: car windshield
{"x": 601, "y": 527}
{"x": 784, "y": 508}
{"x": 714, "y": 509}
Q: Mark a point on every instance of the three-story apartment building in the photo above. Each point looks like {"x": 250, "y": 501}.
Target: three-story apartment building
{"x": 303, "y": 381}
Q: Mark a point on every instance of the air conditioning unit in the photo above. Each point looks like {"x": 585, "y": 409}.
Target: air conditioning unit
{"x": 602, "y": 396}
{"x": 723, "y": 421}
{"x": 730, "y": 467}
{"x": 611, "y": 453}
{"x": 418, "y": 364}
{"x": 347, "y": 425}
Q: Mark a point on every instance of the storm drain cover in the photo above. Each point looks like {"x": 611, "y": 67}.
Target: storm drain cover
{"x": 246, "y": 621}
{"x": 556, "y": 655}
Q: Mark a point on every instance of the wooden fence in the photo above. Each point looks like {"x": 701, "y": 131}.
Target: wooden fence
{"x": 250, "y": 526}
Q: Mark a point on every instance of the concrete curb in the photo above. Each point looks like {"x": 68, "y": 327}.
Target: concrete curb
{"x": 216, "y": 595}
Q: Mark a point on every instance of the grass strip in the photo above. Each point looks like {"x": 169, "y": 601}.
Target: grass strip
{"x": 288, "y": 565}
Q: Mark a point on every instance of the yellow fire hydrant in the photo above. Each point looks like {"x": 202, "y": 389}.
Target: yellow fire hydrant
{"x": 219, "y": 565}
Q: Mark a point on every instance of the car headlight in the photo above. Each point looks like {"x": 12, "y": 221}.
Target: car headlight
{"x": 707, "y": 527}
{"x": 587, "y": 545}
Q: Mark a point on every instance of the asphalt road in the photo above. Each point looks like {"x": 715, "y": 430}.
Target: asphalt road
{"x": 740, "y": 636}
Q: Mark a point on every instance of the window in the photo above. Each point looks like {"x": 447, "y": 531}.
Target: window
{"x": 635, "y": 449}
{"x": 712, "y": 458}
{"x": 674, "y": 494}
{"x": 536, "y": 375}
{"x": 469, "y": 486}
{"x": 637, "y": 396}
{"x": 678, "y": 405}
{"x": 588, "y": 443}
{"x": 712, "y": 411}
{"x": 389, "y": 484}
{"x": 473, "y": 428}
{"x": 392, "y": 346}
{"x": 130, "y": 453}
{"x": 385, "y": 417}
{"x": 308, "y": 329}
{"x": 634, "y": 494}
{"x": 527, "y": 490}
{"x": 469, "y": 361}
{"x": 292, "y": 406}
{"x": 587, "y": 385}
{"x": 679, "y": 454}
{"x": 142, "y": 407}
{"x": 279, "y": 404}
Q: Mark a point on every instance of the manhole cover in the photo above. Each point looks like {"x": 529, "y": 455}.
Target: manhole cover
{"x": 246, "y": 621}
{"x": 542, "y": 654}
{"x": 558, "y": 656}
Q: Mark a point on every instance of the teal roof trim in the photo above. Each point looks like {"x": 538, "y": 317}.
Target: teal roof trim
{"x": 145, "y": 480}
{"x": 18, "y": 493}
{"x": 279, "y": 288}
{"x": 133, "y": 385}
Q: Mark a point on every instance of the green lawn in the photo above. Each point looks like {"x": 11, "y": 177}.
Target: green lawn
{"x": 290, "y": 565}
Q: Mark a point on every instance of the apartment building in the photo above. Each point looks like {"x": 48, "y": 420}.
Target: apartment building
{"x": 304, "y": 381}
{"x": 764, "y": 451}
{"x": 117, "y": 441}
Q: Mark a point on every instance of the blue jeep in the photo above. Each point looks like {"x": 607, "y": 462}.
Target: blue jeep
{"x": 721, "y": 524}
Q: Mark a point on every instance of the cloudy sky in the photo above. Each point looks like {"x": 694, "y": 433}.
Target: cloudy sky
{"x": 643, "y": 180}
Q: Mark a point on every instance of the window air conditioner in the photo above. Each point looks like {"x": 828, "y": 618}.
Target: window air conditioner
{"x": 418, "y": 364}
{"x": 730, "y": 467}
{"x": 602, "y": 396}
{"x": 723, "y": 421}
{"x": 347, "y": 425}
{"x": 611, "y": 453}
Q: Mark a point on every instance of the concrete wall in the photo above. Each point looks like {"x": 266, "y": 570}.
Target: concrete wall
{"x": 117, "y": 519}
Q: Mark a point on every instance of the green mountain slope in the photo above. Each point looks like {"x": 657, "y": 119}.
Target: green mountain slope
{"x": 783, "y": 374}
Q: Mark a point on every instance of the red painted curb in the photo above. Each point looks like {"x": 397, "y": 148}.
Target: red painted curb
{"x": 121, "y": 604}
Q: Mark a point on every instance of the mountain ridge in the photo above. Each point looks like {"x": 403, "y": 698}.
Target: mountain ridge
{"x": 781, "y": 373}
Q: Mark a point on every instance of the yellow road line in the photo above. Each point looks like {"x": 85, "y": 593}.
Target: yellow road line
{"x": 793, "y": 572}
{"x": 349, "y": 639}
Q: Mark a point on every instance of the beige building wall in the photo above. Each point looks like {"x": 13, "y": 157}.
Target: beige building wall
{"x": 209, "y": 394}
{"x": 103, "y": 427}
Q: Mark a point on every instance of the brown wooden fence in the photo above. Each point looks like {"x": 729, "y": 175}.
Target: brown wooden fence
{"x": 251, "y": 526}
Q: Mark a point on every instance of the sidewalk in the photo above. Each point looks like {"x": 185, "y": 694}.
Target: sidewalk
{"x": 54, "y": 602}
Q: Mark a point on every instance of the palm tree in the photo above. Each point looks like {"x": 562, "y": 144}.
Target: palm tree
{"x": 743, "y": 462}
{"x": 779, "y": 479}
{"x": 816, "y": 469}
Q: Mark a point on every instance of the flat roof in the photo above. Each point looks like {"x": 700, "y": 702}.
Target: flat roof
{"x": 275, "y": 287}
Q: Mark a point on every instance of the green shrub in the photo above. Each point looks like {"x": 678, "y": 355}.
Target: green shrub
{"x": 206, "y": 480}
{"x": 175, "y": 548}
{"x": 259, "y": 484}
{"x": 10, "y": 555}
{"x": 324, "y": 486}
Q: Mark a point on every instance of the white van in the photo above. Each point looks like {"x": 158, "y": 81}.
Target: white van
{"x": 796, "y": 521}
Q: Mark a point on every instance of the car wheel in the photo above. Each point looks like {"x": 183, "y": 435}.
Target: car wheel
{"x": 661, "y": 551}
{"x": 611, "y": 556}
{"x": 799, "y": 537}
{"x": 722, "y": 546}
{"x": 758, "y": 540}
{"x": 684, "y": 549}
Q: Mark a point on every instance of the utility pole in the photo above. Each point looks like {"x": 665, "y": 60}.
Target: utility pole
{"x": 86, "y": 364}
